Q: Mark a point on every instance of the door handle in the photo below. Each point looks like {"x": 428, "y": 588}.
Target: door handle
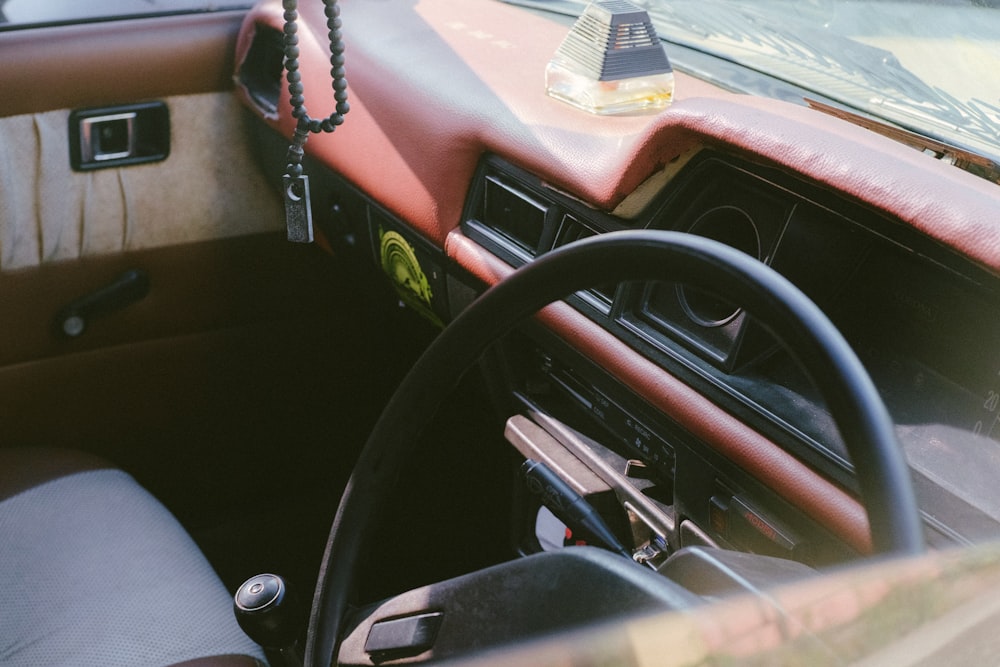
{"x": 119, "y": 136}
{"x": 72, "y": 320}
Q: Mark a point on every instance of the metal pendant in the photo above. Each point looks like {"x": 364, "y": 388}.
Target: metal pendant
{"x": 298, "y": 213}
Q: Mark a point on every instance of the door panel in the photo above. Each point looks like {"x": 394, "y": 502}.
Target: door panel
{"x": 64, "y": 233}
{"x": 208, "y": 188}
{"x": 245, "y": 349}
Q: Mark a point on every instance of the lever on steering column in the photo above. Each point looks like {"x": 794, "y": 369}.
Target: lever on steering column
{"x": 569, "y": 506}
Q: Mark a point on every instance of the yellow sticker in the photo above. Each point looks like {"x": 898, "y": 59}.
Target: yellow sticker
{"x": 400, "y": 263}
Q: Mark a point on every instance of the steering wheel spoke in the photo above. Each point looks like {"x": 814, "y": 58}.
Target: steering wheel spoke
{"x": 526, "y": 597}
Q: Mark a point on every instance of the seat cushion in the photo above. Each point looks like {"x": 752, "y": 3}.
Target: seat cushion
{"x": 95, "y": 571}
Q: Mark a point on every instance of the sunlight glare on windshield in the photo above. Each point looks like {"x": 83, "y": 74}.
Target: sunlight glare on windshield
{"x": 929, "y": 66}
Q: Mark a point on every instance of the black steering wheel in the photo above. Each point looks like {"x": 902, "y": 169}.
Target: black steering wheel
{"x": 810, "y": 337}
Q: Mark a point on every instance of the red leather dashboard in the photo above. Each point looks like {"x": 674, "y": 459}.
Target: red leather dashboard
{"x": 434, "y": 85}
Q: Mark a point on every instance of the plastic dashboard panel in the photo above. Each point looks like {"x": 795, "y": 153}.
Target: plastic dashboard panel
{"x": 436, "y": 85}
{"x": 899, "y": 300}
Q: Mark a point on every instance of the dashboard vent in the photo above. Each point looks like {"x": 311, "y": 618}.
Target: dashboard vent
{"x": 572, "y": 230}
{"x": 260, "y": 72}
{"x": 515, "y": 214}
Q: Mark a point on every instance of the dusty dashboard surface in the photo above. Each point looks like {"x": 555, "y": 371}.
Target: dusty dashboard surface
{"x": 453, "y": 147}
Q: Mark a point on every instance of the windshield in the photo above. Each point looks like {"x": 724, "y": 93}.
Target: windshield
{"x": 929, "y": 66}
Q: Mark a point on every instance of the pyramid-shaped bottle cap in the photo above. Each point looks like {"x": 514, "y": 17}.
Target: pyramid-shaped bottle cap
{"x": 612, "y": 40}
{"x": 611, "y": 62}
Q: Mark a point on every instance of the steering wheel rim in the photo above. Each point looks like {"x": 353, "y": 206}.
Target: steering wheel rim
{"x": 851, "y": 396}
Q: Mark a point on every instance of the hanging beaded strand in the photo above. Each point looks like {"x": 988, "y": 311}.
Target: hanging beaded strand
{"x": 306, "y": 125}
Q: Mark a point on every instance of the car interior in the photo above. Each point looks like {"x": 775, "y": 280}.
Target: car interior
{"x": 714, "y": 383}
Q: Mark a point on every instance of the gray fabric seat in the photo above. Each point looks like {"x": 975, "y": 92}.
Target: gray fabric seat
{"x": 95, "y": 571}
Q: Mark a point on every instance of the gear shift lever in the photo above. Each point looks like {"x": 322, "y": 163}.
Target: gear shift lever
{"x": 266, "y": 612}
